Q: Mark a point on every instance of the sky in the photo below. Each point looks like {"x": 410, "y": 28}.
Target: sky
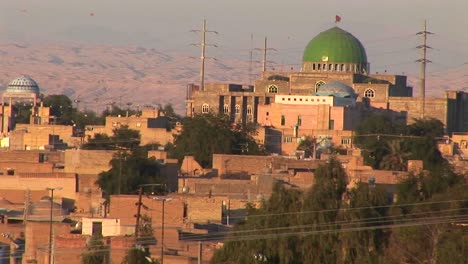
{"x": 386, "y": 28}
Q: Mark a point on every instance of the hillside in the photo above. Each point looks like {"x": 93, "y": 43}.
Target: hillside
{"x": 100, "y": 74}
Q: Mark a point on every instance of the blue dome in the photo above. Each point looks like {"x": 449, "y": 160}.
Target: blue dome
{"x": 336, "y": 89}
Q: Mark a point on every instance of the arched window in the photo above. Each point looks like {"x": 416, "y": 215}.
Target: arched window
{"x": 272, "y": 89}
{"x": 369, "y": 93}
{"x": 249, "y": 110}
{"x": 237, "y": 109}
{"x": 226, "y": 109}
{"x": 205, "y": 108}
{"x": 318, "y": 84}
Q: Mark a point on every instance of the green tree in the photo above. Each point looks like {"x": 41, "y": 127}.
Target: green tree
{"x": 138, "y": 255}
{"x": 84, "y": 118}
{"x": 130, "y": 165}
{"x": 129, "y": 169}
{"x": 426, "y": 127}
{"x": 208, "y": 134}
{"x": 97, "y": 252}
{"x": 61, "y": 107}
{"x": 283, "y": 205}
{"x": 22, "y": 112}
{"x": 369, "y": 137}
{"x": 365, "y": 207}
{"x": 397, "y": 156}
{"x": 321, "y": 206}
{"x": 432, "y": 235}
{"x": 122, "y": 138}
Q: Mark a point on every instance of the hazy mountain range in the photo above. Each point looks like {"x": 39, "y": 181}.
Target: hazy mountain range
{"x": 98, "y": 75}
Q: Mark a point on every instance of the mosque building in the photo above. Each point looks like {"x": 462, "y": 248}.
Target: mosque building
{"x": 333, "y": 92}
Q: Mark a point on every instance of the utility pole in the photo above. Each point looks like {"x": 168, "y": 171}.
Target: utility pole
{"x": 200, "y": 249}
{"x": 203, "y": 53}
{"x": 162, "y": 232}
{"x": 423, "y": 60}
{"x": 138, "y": 215}
{"x": 265, "y": 49}
{"x": 50, "y": 223}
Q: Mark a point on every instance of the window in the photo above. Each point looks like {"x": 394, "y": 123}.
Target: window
{"x": 369, "y": 93}
{"x": 345, "y": 141}
{"x": 288, "y": 139}
{"x": 342, "y": 67}
{"x": 237, "y": 109}
{"x": 331, "y": 125}
{"x": 283, "y": 120}
{"x": 226, "y": 109}
{"x": 299, "y": 120}
{"x": 318, "y": 84}
{"x": 205, "y": 108}
{"x": 249, "y": 110}
{"x": 10, "y": 172}
{"x": 272, "y": 89}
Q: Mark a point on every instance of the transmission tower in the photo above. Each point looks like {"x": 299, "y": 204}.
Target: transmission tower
{"x": 265, "y": 49}
{"x": 203, "y": 47}
{"x": 424, "y": 61}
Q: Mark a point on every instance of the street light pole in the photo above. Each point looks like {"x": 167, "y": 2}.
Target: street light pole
{"x": 50, "y": 222}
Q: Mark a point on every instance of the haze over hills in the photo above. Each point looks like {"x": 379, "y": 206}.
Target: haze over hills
{"x": 100, "y": 74}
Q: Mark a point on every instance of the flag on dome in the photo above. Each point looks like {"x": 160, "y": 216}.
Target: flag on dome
{"x": 337, "y": 19}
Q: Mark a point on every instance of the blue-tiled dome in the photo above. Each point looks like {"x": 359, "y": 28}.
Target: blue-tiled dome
{"x": 337, "y": 89}
{"x": 23, "y": 84}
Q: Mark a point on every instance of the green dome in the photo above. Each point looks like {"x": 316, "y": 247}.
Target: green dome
{"x": 335, "y": 45}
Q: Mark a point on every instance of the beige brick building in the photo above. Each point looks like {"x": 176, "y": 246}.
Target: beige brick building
{"x": 153, "y": 126}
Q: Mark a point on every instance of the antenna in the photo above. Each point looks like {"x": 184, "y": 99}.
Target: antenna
{"x": 203, "y": 47}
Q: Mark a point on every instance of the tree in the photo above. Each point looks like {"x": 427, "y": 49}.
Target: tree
{"x": 130, "y": 165}
{"x": 61, "y": 107}
{"x": 129, "y": 169}
{"x": 364, "y": 208}
{"x": 368, "y": 137}
{"x": 22, "y": 112}
{"x": 432, "y": 235}
{"x": 122, "y": 138}
{"x": 284, "y": 204}
{"x": 322, "y": 204}
{"x": 97, "y": 252}
{"x": 138, "y": 255}
{"x": 397, "y": 156}
{"x": 426, "y": 127}
{"x": 207, "y": 134}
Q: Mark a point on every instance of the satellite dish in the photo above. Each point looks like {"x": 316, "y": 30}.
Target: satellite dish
{"x": 185, "y": 189}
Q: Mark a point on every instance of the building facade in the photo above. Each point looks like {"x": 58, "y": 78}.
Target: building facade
{"x": 333, "y": 56}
